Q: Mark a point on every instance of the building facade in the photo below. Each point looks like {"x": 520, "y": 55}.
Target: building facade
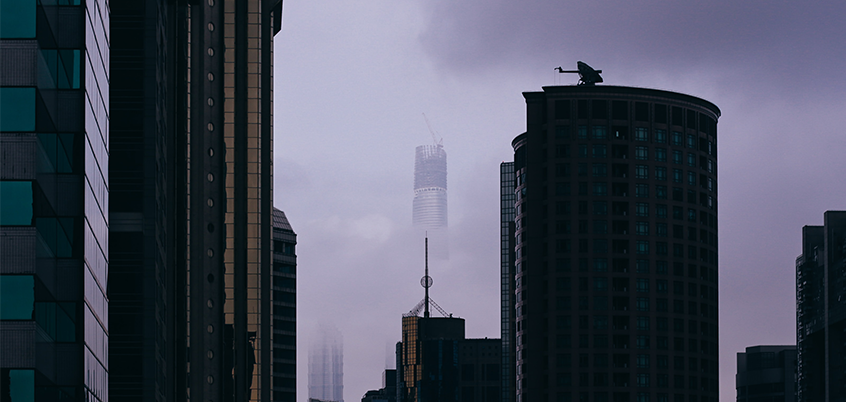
{"x": 766, "y": 374}
{"x": 430, "y": 187}
{"x": 326, "y": 365}
{"x": 821, "y": 311}
{"x": 508, "y": 324}
{"x": 616, "y": 246}
{"x": 284, "y": 309}
{"x": 54, "y": 200}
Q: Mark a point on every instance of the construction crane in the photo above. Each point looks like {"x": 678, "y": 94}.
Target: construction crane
{"x": 434, "y": 137}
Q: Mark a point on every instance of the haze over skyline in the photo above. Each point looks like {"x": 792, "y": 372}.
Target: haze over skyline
{"x": 351, "y": 82}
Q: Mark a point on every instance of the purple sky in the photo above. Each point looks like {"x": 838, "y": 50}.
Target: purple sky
{"x": 352, "y": 79}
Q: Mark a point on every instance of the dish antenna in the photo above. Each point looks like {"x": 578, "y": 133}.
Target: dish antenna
{"x": 587, "y": 75}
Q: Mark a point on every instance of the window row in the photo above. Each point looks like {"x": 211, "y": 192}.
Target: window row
{"x": 641, "y": 266}
{"x": 639, "y": 111}
{"x": 604, "y": 341}
{"x": 662, "y": 305}
{"x": 640, "y": 323}
{"x": 641, "y": 152}
{"x": 639, "y": 134}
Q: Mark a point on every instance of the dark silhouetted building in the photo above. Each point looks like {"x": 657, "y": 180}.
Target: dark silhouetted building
{"x": 616, "y": 246}
{"x": 766, "y": 374}
{"x": 54, "y": 200}
{"x": 388, "y": 392}
{"x": 284, "y": 309}
{"x": 506, "y": 237}
{"x": 821, "y": 311}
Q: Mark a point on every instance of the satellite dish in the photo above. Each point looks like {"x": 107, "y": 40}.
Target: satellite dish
{"x": 587, "y": 75}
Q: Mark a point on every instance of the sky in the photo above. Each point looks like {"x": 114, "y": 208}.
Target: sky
{"x": 353, "y": 79}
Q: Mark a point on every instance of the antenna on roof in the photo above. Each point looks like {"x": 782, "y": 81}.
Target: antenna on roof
{"x": 434, "y": 137}
{"x": 587, "y": 75}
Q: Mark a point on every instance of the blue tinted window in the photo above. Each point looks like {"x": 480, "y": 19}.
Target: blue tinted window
{"x": 17, "y": 297}
{"x": 17, "y": 19}
{"x": 15, "y": 203}
{"x": 18, "y": 106}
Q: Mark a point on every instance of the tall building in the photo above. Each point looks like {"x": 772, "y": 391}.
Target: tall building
{"x": 326, "y": 365}
{"x": 766, "y": 374}
{"x": 508, "y": 324}
{"x": 616, "y": 246}
{"x": 430, "y": 187}
{"x": 821, "y": 311}
{"x": 284, "y": 309}
{"x": 54, "y": 200}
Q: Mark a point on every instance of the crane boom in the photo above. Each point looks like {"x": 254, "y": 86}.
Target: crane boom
{"x": 434, "y": 137}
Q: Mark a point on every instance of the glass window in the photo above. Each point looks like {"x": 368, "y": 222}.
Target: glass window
{"x": 600, "y": 151}
{"x": 62, "y": 68}
{"x": 676, "y": 138}
{"x": 582, "y": 133}
{"x": 691, "y": 141}
{"x": 600, "y": 188}
{"x": 21, "y": 383}
{"x": 600, "y": 170}
{"x": 18, "y": 106}
{"x": 677, "y": 175}
{"x": 643, "y": 360}
{"x": 642, "y": 228}
{"x": 661, "y": 210}
{"x": 583, "y": 168}
{"x": 661, "y": 229}
{"x": 562, "y": 132}
{"x": 600, "y": 322}
{"x": 58, "y": 152}
{"x": 600, "y": 265}
{"x": 600, "y": 227}
{"x": 600, "y": 284}
{"x": 642, "y": 247}
{"x": 17, "y": 297}
{"x": 641, "y": 134}
{"x": 661, "y": 267}
{"x": 642, "y": 285}
{"x": 661, "y": 136}
{"x": 641, "y": 190}
{"x": 600, "y": 246}
{"x": 17, "y": 19}
{"x": 562, "y": 188}
{"x": 600, "y": 133}
{"x": 691, "y": 215}
{"x": 661, "y": 192}
{"x": 661, "y": 154}
{"x": 642, "y": 266}
{"x": 583, "y": 150}
{"x": 677, "y": 157}
{"x": 691, "y": 178}
{"x": 660, "y": 173}
{"x": 691, "y": 159}
{"x": 16, "y": 201}
{"x": 641, "y": 209}
{"x": 642, "y": 304}
{"x": 641, "y": 172}
{"x": 641, "y": 153}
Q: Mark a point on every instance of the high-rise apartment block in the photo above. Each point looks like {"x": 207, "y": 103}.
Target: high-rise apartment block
{"x": 766, "y": 374}
{"x": 508, "y": 324}
{"x": 821, "y": 311}
{"x": 54, "y": 200}
{"x": 616, "y": 246}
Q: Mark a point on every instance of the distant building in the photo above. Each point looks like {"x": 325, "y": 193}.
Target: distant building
{"x": 430, "y": 187}
{"x": 616, "y": 262}
{"x": 284, "y": 309}
{"x": 766, "y": 374}
{"x": 821, "y": 311}
{"x": 388, "y": 392}
{"x": 326, "y": 365}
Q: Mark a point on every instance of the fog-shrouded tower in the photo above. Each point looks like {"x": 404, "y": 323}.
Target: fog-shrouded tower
{"x": 430, "y": 196}
{"x": 430, "y": 187}
{"x": 326, "y": 365}
{"x": 615, "y": 245}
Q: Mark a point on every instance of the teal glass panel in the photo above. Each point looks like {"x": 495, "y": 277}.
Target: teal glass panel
{"x": 15, "y": 203}
{"x": 45, "y": 317}
{"x": 66, "y": 322}
{"x": 57, "y": 153}
{"x": 17, "y": 20}
{"x": 17, "y": 297}
{"x": 22, "y": 385}
{"x": 55, "y": 237}
{"x": 17, "y": 106}
{"x": 69, "y": 68}
{"x": 47, "y": 68}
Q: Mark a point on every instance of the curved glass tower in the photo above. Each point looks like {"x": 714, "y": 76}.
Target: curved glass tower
{"x": 616, "y": 246}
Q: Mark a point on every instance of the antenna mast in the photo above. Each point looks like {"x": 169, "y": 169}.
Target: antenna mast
{"x": 426, "y": 301}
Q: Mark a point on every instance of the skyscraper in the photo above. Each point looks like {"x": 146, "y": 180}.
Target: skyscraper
{"x": 766, "y": 373}
{"x": 54, "y": 200}
{"x": 616, "y": 246}
{"x": 284, "y": 309}
{"x": 326, "y": 365}
{"x": 430, "y": 187}
{"x": 821, "y": 311}
{"x": 508, "y": 324}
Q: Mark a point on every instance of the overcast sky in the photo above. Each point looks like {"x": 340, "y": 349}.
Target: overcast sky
{"x": 352, "y": 80}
